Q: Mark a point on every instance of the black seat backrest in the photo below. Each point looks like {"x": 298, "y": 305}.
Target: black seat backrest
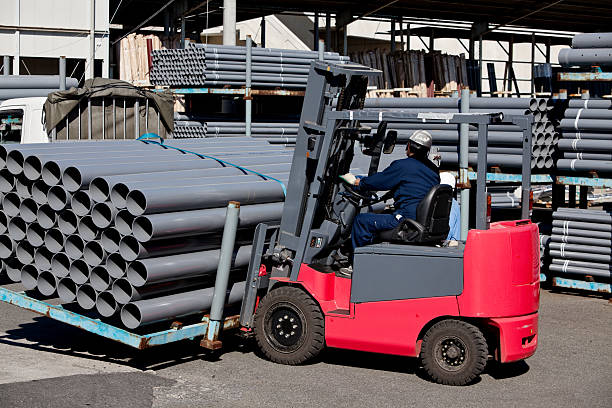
{"x": 433, "y": 212}
{"x": 432, "y": 220}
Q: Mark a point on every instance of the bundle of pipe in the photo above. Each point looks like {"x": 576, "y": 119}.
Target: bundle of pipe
{"x": 221, "y": 65}
{"x": 588, "y": 49}
{"x": 581, "y": 243}
{"x": 131, "y": 223}
{"x": 505, "y": 141}
{"x": 504, "y": 196}
{"x": 23, "y": 86}
{"x": 273, "y": 132}
{"x": 586, "y": 137}
{"x": 545, "y": 241}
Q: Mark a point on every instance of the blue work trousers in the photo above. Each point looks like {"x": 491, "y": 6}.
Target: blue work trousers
{"x": 366, "y": 226}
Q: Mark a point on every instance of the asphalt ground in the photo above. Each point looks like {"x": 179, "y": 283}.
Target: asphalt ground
{"x": 44, "y": 363}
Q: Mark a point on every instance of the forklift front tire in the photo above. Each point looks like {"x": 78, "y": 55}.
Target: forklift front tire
{"x": 289, "y": 326}
{"x": 454, "y": 352}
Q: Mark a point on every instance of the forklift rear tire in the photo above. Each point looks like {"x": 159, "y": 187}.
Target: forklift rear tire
{"x": 454, "y": 352}
{"x": 289, "y": 326}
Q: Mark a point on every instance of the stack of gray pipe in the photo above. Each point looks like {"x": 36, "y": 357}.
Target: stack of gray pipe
{"x": 586, "y": 143}
{"x": 221, "y": 65}
{"x": 273, "y": 132}
{"x": 581, "y": 243}
{"x": 505, "y": 141}
{"x": 545, "y": 241}
{"x": 504, "y": 197}
{"x": 130, "y": 226}
{"x": 23, "y": 86}
{"x": 588, "y": 49}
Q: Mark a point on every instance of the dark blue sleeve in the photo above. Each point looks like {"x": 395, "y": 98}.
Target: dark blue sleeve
{"x": 385, "y": 180}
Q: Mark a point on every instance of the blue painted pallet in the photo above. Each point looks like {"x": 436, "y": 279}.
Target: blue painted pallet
{"x": 98, "y": 327}
{"x": 585, "y": 181}
{"x": 582, "y": 285}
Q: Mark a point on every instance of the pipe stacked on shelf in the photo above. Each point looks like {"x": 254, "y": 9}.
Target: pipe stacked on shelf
{"x": 586, "y": 137}
{"x": 505, "y": 141}
{"x": 222, "y": 65}
{"x": 588, "y": 49}
{"x": 273, "y": 132}
{"x": 131, "y": 226}
{"x": 581, "y": 243}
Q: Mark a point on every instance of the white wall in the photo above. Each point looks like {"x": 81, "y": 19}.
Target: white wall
{"x": 53, "y": 28}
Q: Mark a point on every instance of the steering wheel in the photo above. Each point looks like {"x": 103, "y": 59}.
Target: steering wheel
{"x": 357, "y": 196}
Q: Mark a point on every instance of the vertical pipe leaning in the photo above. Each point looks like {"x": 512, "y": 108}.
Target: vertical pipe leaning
{"x": 321, "y": 50}
{"x": 62, "y": 73}
{"x": 210, "y": 340}
{"x": 6, "y": 61}
{"x": 247, "y": 97}
{"x": 464, "y": 181}
{"x": 481, "y": 179}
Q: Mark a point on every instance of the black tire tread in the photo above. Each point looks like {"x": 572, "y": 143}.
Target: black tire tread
{"x": 480, "y": 352}
{"x": 316, "y": 324}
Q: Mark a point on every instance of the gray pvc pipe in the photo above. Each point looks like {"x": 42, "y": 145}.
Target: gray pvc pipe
{"x": 19, "y": 82}
{"x": 103, "y": 215}
{"x": 130, "y": 249}
{"x": 93, "y": 253}
{"x": 581, "y": 248}
{"x": 110, "y": 239}
{"x": 592, "y": 40}
{"x": 588, "y": 156}
{"x": 584, "y": 165}
{"x": 7, "y": 246}
{"x": 141, "y": 312}
{"x": 106, "y": 305}
{"x": 586, "y": 145}
{"x": 60, "y": 265}
{"x": 29, "y": 276}
{"x": 13, "y": 269}
{"x": 569, "y": 239}
{"x": 99, "y": 279}
{"x": 508, "y": 103}
{"x": 576, "y": 232}
{"x": 35, "y": 235}
{"x": 575, "y": 270}
{"x": 86, "y": 296}
{"x": 81, "y": 203}
{"x": 55, "y": 240}
{"x": 39, "y": 192}
{"x": 58, "y": 198}
{"x": 17, "y": 228}
{"x": 46, "y": 283}
{"x": 23, "y": 188}
{"x": 585, "y": 124}
{"x": 10, "y": 204}
{"x": 24, "y": 252}
{"x": 502, "y": 160}
{"x": 590, "y": 103}
{"x": 79, "y": 271}
{"x": 116, "y": 265}
{"x": 604, "y": 114}
{"x": 123, "y": 222}
{"x": 582, "y": 264}
{"x": 28, "y": 210}
{"x": 7, "y": 181}
{"x": 124, "y": 292}
{"x": 3, "y": 223}
{"x": 25, "y": 93}
{"x": 585, "y": 57}
{"x": 87, "y": 229}
{"x": 74, "y": 247}
{"x": 185, "y": 223}
{"x": 175, "y": 267}
{"x": 67, "y": 290}
{"x": 150, "y": 201}
{"x": 46, "y": 216}
{"x": 42, "y": 259}
{"x": 589, "y": 216}
{"x": 68, "y": 222}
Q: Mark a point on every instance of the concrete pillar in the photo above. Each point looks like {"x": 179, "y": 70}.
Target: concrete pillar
{"x": 229, "y": 22}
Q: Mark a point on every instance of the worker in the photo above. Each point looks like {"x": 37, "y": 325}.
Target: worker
{"x": 409, "y": 179}
{"x": 454, "y": 221}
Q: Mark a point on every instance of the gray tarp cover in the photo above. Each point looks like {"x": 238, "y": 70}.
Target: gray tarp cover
{"x": 60, "y": 104}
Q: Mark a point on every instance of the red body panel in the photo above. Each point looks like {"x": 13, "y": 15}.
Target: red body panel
{"x": 501, "y": 286}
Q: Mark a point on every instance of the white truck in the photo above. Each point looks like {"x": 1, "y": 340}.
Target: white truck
{"x": 21, "y": 121}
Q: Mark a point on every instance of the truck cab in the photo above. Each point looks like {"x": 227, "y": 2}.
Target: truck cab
{"x": 21, "y": 121}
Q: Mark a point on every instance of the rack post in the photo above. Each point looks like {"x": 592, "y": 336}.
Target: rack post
{"x": 464, "y": 180}
{"x": 247, "y": 97}
{"x": 211, "y": 339}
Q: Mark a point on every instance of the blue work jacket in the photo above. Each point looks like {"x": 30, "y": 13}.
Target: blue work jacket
{"x": 409, "y": 179}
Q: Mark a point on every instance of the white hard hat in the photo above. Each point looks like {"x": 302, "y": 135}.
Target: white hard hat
{"x": 448, "y": 178}
{"x": 421, "y": 138}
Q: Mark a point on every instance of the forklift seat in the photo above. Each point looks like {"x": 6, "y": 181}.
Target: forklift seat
{"x": 431, "y": 224}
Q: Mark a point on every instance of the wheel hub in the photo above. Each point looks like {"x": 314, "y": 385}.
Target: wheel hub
{"x": 451, "y": 354}
{"x": 286, "y": 327}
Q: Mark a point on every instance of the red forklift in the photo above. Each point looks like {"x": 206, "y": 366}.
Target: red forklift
{"x": 410, "y": 294}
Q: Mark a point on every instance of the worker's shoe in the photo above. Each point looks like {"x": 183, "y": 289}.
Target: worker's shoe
{"x": 345, "y": 272}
